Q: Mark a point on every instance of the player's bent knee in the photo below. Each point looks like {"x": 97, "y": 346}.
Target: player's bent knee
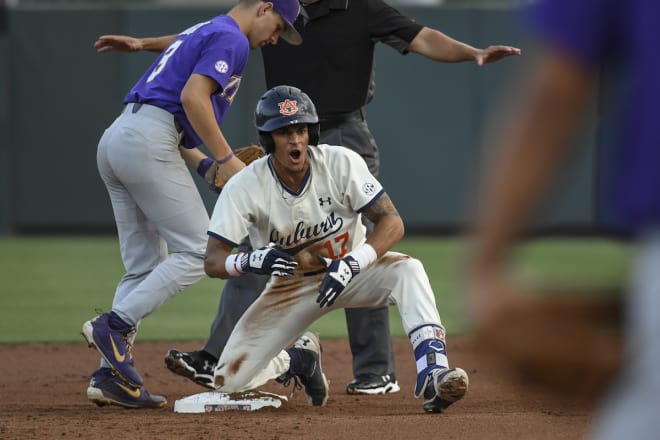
{"x": 409, "y": 266}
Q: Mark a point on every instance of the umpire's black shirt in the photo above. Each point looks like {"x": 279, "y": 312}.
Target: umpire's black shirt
{"x": 334, "y": 63}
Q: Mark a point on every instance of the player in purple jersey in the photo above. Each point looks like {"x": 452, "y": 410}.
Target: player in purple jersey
{"x": 161, "y": 219}
{"x": 583, "y": 42}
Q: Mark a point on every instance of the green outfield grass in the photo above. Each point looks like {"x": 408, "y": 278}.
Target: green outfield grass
{"x": 50, "y": 286}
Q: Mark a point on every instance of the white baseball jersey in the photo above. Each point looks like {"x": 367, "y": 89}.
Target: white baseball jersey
{"x": 318, "y": 220}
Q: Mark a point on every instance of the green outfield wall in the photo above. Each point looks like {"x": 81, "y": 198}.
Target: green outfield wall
{"x": 57, "y": 95}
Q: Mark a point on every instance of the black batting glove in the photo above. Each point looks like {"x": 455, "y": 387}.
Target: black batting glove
{"x": 268, "y": 260}
{"x": 339, "y": 274}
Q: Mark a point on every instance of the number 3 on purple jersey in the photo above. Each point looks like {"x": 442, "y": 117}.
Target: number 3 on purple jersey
{"x": 163, "y": 61}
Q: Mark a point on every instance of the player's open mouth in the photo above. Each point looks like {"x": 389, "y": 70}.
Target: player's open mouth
{"x": 295, "y": 156}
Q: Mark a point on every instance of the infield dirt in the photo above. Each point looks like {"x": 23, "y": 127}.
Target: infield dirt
{"x": 42, "y": 396}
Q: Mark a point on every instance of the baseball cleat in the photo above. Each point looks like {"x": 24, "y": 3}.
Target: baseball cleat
{"x": 374, "y": 385}
{"x": 309, "y": 371}
{"x": 197, "y": 366}
{"x": 444, "y": 386}
{"x": 107, "y": 388}
{"x": 114, "y": 346}
{"x": 315, "y": 382}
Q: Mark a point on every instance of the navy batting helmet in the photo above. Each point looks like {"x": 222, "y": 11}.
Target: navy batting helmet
{"x": 282, "y": 106}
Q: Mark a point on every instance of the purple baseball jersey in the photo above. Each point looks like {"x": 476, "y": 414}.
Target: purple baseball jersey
{"x": 623, "y": 35}
{"x": 216, "y": 49}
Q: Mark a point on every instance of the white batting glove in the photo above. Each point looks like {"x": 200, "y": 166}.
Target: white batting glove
{"x": 268, "y": 260}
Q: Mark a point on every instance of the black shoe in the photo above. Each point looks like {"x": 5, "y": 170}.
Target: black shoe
{"x": 444, "y": 386}
{"x": 311, "y": 374}
{"x": 374, "y": 385}
{"x": 197, "y": 366}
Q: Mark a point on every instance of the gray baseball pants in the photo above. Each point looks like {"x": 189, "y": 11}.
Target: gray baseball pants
{"x": 160, "y": 216}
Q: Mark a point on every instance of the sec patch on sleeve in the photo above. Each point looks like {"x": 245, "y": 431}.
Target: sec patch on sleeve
{"x": 221, "y": 66}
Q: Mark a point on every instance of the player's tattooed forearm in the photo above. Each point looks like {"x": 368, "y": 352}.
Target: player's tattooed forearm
{"x": 381, "y": 208}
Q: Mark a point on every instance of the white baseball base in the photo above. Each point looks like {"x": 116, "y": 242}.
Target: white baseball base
{"x": 213, "y": 401}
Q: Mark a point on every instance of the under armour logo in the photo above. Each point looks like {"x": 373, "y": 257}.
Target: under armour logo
{"x": 345, "y": 275}
{"x": 322, "y": 201}
{"x": 208, "y": 366}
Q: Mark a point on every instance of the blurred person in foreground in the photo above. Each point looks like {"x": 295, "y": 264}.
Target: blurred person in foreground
{"x": 579, "y": 42}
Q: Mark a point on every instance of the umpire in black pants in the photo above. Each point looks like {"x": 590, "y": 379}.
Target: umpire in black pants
{"x": 334, "y": 66}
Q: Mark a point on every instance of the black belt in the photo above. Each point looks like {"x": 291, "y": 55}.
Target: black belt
{"x": 333, "y": 121}
{"x": 138, "y": 105}
{"x": 315, "y": 272}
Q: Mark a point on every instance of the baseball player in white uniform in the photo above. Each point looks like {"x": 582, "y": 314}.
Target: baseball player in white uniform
{"x": 301, "y": 208}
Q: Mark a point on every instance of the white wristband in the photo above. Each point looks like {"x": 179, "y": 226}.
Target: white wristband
{"x": 364, "y": 255}
{"x": 233, "y": 265}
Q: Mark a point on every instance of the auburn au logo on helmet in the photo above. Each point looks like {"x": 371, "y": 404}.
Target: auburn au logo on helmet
{"x": 288, "y": 107}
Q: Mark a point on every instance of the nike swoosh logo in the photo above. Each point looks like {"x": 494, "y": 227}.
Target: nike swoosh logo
{"x": 120, "y": 357}
{"x": 130, "y": 391}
